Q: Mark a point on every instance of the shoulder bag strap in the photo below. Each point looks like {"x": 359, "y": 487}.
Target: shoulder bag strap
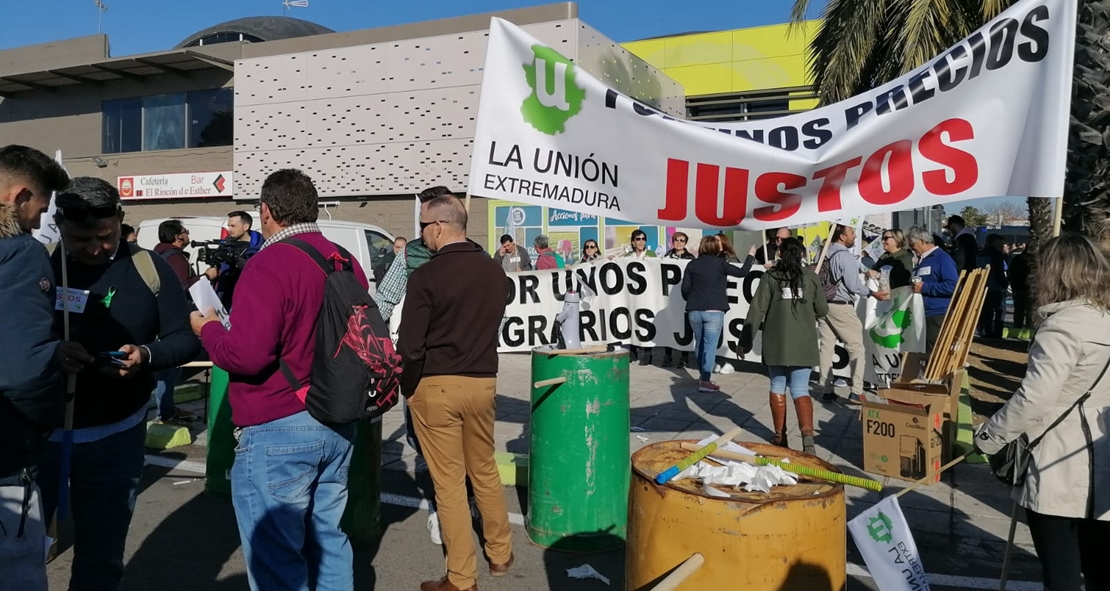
{"x": 1079, "y": 402}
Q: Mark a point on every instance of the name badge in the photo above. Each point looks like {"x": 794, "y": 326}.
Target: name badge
{"x": 73, "y": 299}
{"x": 789, "y": 294}
{"x": 923, "y": 271}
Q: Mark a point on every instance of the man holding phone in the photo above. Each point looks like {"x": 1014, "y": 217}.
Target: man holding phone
{"x": 128, "y": 312}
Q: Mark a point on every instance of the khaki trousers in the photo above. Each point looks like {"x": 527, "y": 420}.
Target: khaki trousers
{"x": 454, "y": 418}
{"x": 842, "y": 323}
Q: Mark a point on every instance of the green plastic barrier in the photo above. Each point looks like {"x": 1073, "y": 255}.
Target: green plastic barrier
{"x": 221, "y": 437}
{"x": 579, "y": 466}
{"x": 363, "y": 517}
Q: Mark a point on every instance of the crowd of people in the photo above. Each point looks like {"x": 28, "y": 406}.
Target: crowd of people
{"x": 95, "y": 325}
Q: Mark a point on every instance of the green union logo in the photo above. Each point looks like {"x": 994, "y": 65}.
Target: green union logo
{"x": 556, "y": 97}
{"x": 880, "y": 528}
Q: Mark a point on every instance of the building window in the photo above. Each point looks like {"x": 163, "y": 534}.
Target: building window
{"x": 197, "y": 119}
{"x": 745, "y": 106}
{"x": 123, "y": 126}
{"x": 210, "y": 121}
{"x": 164, "y": 122}
{"x": 224, "y": 37}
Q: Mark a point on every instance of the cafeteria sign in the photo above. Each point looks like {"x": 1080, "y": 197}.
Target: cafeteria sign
{"x": 194, "y": 185}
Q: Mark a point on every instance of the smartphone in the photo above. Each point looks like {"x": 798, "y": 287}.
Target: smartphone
{"x": 112, "y": 358}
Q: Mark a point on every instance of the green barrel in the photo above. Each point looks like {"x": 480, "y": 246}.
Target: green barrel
{"x": 579, "y": 467}
{"x": 362, "y": 518}
{"x": 221, "y": 437}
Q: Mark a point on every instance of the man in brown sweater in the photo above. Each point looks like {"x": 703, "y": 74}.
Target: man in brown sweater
{"x": 448, "y": 343}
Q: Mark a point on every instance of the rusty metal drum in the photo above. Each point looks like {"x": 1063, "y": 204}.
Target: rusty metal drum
{"x": 792, "y": 539}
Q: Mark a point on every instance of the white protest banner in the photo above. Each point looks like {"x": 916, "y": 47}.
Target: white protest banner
{"x": 891, "y": 328}
{"x": 636, "y": 303}
{"x": 886, "y": 543}
{"x": 47, "y": 232}
{"x": 987, "y": 118}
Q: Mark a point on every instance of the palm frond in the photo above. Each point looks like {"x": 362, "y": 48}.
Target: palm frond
{"x": 993, "y": 8}
{"x": 841, "y": 48}
{"x": 926, "y": 31}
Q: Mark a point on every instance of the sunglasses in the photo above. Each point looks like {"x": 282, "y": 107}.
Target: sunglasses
{"x": 424, "y": 225}
{"x": 679, "y": 239}
{"x": 589, "y": 246}
{"x": 888, "y": 237}
{"x": 639, "y": 239}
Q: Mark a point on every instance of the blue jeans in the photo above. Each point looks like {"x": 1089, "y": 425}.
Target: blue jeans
{"x": 799, "y": 380}
{"x": 289, "y": 490}
{"x": 103, "y": 483}
{"x": 707, "y": 325}
{"x": 164, "y": 390}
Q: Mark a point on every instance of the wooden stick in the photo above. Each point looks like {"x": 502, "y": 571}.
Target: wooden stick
{"x": 683, "y": 572}
{"x": 929, "y": 479}
{"x": 550, "y": 382}
{"x": 1009, "y": 549}
{"x": 946, "y": 327}
{"x": 666, "y": 475}
{"x": 825, "y": 249}
{"x": 964, "y": 329}
{"x": 976, "y": 315}
{"x": 466, "y": 203}
{"x": 198, "y": 364}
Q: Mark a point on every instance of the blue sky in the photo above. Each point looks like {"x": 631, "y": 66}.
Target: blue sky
{"x": 134, "y": 27}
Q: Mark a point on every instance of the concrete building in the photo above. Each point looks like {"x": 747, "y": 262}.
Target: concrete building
{"x": 373, "y": 116}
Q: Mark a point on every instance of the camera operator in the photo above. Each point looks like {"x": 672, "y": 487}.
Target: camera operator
{"x": 241, "y": 244}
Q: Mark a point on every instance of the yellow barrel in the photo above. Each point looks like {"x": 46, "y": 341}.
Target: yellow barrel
{"x": 793, "y": 539}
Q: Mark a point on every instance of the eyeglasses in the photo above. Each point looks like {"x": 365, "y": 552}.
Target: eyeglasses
{"x": 888, "y": 237}
{"x": 639, "y": 239}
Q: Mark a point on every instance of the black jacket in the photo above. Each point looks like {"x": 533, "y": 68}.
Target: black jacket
{"x": 32, "y": 384}
{"x": 705, "y": 282}
{"x": 133, "y": 315}
{"x": 965, "y": 251}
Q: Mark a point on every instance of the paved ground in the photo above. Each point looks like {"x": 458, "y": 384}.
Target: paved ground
{"x": 184, "y": 539}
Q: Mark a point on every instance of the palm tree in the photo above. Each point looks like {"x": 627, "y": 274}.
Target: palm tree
{"x": 862, "y": 44}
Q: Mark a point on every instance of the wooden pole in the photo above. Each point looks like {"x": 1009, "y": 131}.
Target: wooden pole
{"x": 1058, "y": 216}
{"x": 825, "y": 249}
{"x": 683, "y": 572}
{"x": 550, "y": 382}
{"x": 928, "y": 479}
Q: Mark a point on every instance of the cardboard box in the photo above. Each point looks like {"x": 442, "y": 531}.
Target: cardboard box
{"x": 903, "y": 440}
{"x": 943, "y": 397}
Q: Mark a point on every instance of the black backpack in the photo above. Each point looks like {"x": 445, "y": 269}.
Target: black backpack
{"x": 828, "y": 282}
{"x": 356, "y": 373}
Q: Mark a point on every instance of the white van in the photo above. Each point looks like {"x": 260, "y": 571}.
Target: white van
{"x": 366, "y": 242}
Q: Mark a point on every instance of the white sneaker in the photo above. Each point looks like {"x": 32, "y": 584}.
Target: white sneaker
{"x": 433, "y": 528}
{"x": 727, "y": 369}
{"x": 716, "y": 368}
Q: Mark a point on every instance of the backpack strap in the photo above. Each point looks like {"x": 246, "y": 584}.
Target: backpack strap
{"x": 321, "y": 262}
{"x": 144, "y": 264}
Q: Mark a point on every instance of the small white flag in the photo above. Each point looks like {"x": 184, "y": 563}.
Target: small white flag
{"x": 886, "y": 543}
{"x": 47, "y": 231}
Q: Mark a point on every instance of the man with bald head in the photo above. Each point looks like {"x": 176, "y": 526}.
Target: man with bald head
{"x": 448, "y": 343}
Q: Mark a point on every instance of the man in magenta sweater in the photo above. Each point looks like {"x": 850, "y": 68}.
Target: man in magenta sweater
{"x": 289, "y": 480}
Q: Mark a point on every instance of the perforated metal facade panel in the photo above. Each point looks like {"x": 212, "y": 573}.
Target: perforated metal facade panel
{"x": 393, "y": 118}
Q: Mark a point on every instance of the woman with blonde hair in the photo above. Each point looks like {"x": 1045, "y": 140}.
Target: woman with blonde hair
{"x": 897, "y": 257}
{"x": 1062, "y": 409}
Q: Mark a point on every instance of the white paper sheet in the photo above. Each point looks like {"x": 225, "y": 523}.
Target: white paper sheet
{"x": 205, "y": 298}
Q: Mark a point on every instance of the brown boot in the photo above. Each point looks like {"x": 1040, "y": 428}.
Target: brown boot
{"x": 778, "y": 415}
{"x": 804, "y": 408}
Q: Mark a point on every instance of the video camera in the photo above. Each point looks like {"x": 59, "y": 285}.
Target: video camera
{"x": 217, "y": 252}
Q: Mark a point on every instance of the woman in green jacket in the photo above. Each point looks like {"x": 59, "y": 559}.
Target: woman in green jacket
{"x": 786, "y": 306}
{"x": 897, "y": 257}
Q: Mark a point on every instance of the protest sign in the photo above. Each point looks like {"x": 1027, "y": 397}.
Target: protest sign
{"x": 988, "y": 117}
{"x": 47, "y": 232}
{"x": 640, "y": 303}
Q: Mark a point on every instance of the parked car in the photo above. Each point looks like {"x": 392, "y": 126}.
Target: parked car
{"x": 366, "y": 242}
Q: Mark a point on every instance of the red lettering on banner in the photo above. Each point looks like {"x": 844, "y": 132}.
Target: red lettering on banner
{"x": 767, "y": 190}
{"x": 899, "y": 173}
{"x": 828, "y": 198}
{"x": 706, "y": 195}
{"x": 678, "y": 176}
{"x": 964, "y": 167}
